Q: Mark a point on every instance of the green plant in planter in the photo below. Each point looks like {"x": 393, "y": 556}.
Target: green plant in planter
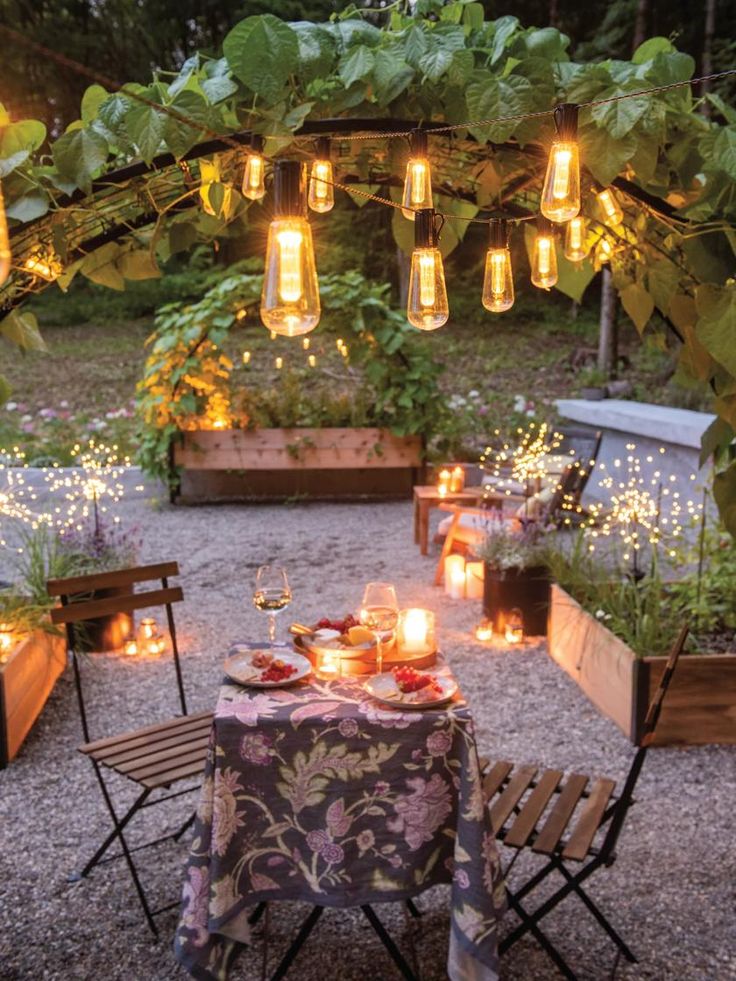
{"x": 507, "y": 546}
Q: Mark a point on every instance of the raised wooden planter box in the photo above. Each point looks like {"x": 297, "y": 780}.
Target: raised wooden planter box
{"x": 26, "y": 681}
{"x": 700, "y": 706}
{"x": 262, "y": 464}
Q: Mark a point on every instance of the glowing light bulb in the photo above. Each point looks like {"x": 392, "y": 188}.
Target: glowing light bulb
{"x": 254, "y": 177}
{"x": 561, "y": 191}
{"x": 605, "y": 250}
{"x": 246, "y": 357}
{"x": 427, "y": 307}
{"x": 418, "y": 181}
{"x": 498, "y": 282}
{"x": 4, "y": 241}
{"x": 321, "y": 190}
{"x": 576, "y": 245}
{"x": 612, "y": 210}
{"x": 290, "y": 303}
{"x": 544, "y": 258}
{"x": 45, "y": 263}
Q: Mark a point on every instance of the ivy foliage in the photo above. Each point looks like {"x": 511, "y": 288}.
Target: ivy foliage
{"x": 190, "y": 383}
{"x": 447, "y": 63}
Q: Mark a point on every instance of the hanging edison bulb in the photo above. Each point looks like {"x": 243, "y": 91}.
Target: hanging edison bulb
{"x": 321, "y": 190}
{"x": 427, "y": 307}
{"x": 604, "y": 250}
{"x": 544, "y": 256}
{"x": 290, "y": 297}
{"x": 4, "y": 241}
{"x": 609, "y": 204}
{"x": 418, "y": 180}
{"x": 561, "y": 191}
{"x": 498, "y": 281}
{"x": 576, "y": 239}
{"x": 254, "y": 176}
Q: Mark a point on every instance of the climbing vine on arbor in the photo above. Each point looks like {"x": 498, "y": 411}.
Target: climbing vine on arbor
{"x": 674, "y": 169}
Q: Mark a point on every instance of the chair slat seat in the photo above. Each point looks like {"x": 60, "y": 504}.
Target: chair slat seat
{"x": 495, "y": 778}
{"x": 589, "y": 821}
{"x": 554, "y": 827}
{"x": 523, "y": 827}
{"x": 101, "y": 748}
{"x": 184, "y": 746}
{"x": 147, "y": 745}
{"x": 515, "y": 789}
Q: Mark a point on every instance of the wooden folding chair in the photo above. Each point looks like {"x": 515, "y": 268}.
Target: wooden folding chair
{"x": 569, "y": 819}
{"x": 154, "y": 757}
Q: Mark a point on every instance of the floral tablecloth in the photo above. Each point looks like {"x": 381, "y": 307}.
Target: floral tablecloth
{"x": 317, "y": 793}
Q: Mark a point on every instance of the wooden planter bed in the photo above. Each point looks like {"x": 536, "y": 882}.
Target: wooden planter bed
{"x": 26, "y": 681}
{"x": 700, "y": 707}
{"x": 277, "y": 464}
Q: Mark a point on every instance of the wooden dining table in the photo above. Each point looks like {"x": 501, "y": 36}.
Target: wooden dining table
{"x": 318, "y": 793}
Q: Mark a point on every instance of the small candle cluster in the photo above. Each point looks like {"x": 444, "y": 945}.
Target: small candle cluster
{"x": 451, "y": 481}
{"x": 148, "y": 640}
{"x": 463, "y": 579}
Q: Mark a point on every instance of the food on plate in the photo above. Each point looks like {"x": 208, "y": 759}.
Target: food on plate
{"x": 421, "y": 687}
{"x": 342, "y": 626}
{"x": 360, "y": 635}
{"x": 277, "y": 670}
{"x": 261, "y": 659}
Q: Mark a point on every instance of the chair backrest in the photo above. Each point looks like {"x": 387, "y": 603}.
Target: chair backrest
{"x": 78, "y": 604}
{"x": 554, "y": 509}
{"x": 650, "y": 724}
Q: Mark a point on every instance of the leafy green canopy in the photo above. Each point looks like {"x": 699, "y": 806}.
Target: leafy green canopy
{"x": 273, "y": 77}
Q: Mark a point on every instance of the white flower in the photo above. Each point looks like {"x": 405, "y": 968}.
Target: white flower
{"x": 600, "y": 614}
{"x": 474, "y": 394}
{"x": 26, "y": 418}
{"x": 519, "y": 403}
{"x": 11, "y": 406}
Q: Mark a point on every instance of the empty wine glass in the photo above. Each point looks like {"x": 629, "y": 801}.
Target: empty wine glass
{"x": 272, "y": 594}
{"x": 379, "y": 612}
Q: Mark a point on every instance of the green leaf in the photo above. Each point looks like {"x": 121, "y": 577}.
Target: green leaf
{"x": 80, "y": 154}
{"x": 603, "y": 155}
{"x": 415, "y": 45}
{"x": 28, "y": 207}
{"x": 179, "y": 136}
{"x": 716, "y": 306}
{"x": 573, "y": 278}
{"x": 9, "y": 164}
{"x": 21, "y": 328}
{"x": 24, "y": 136}
{"x": 262, "y": 52}
{"x": 651, "y": 47}
{"x": 619, "y": 118}
{"x": 461, "y": 68}
{"x": 662, "y": 281}
{"x": 489, "y": 97}
{"x": 473, "y": 16}
{"x": 639, "y": 305}
{"x": 139, "y": 264}
{"x": 146, "y": 127}
{"x": 356, "y": 65}
{"x": 92, "y": 99}
{"x": 316, "y": 50}
{"x": 715, "y": 440}
{"x": 504, "y": 28}
{"x": 724, "y": 150}
{"x": 391, "y": 75}
{"x": 218, "y": 88}
{"x": 5, "y": 390}
{"x": 724, "y": 492}
{"x": 100, "y": 267}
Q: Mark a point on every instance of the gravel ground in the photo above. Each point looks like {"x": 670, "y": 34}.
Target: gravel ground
{"x": 671, "y": 893}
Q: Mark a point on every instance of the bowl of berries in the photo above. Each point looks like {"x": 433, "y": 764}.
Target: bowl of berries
{"x": 405, "y": 687}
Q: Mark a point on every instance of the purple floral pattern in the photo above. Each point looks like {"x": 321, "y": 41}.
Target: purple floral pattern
{"x": 315, "y": 793}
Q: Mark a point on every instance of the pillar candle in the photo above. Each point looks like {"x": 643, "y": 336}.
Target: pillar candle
{"x": 455, "y": 576}
{"x": 474, "y": 580}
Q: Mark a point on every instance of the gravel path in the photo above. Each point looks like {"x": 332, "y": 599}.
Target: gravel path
{"x": 671, "y": 893}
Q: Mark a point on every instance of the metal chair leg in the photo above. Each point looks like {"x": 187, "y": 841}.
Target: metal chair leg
{"x": 410, "y": 905}
{"x": 600, "y": 918}
{"x": 115, "y": 833}
{"x": 543, "y": 940}
{"x": 306, "y": 928}
{"x": 388, "y": 943}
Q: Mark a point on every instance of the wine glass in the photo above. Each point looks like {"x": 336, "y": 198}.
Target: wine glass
{"x": 379, "y": 612}
{"x": 272, "y": 594}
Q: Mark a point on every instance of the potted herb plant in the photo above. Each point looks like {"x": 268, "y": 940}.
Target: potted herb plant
{"x": 514, "y": 554}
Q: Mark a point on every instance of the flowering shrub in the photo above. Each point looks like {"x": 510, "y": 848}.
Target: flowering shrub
{"x": 49, "y": 436}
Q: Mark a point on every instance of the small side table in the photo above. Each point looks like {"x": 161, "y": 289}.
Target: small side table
{"x": 426, "y": 497}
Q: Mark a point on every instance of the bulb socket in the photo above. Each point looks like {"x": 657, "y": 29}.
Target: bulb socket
{"x": 322, "y": 148}
{"x": 425, "y": 229}
{"x": 419, "y": 143}
{"x": 257, "y": 143}
{"x": 498, "y": 233}
{"x": 289, "y": 187}
{"x": 545, "y": 226}
{"x": 566, "y": 121}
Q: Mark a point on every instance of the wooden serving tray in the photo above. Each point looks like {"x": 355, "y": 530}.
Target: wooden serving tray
{"x": 366, "y": 664}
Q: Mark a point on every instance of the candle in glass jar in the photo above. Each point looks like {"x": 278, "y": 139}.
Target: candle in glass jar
{"x": 457, "y": 480}
{"x": 416, "y": 631}
{"x": 148, "y": 628}
{"x": 329, "y": 666}
{"x": 455, "y": 576}
{"x": 443, "y": 482}
{"x": 474, "y": 580}
{"x": 484, "y": 631}
{"x": 130, "y": 648}
{"x": 6, "y": 636}
{"x": 514, "y": 631}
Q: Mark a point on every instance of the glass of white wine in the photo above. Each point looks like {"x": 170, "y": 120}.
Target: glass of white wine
{"x": 272, "y": 594}
{"x": 379, "y": 612}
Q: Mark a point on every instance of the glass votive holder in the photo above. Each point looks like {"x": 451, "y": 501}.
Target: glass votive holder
{"x": 484, "y": 631}
{"x": 415, "y": 633}
{"x": 514, "y": 629}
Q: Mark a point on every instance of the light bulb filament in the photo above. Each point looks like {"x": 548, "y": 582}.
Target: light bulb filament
{"x": 255, "y": 173}
{"x": 544, "y": 250}
{"x": 498, "y": 273}
{"x": 561, "y": 182}
{"x": 418, "y": 182}
{"x": 321, "y": 174}
{"x": 426, "y": 280}
{"x": 290, "y": 278}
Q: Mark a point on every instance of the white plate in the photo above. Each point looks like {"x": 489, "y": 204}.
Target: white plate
{"x": 239, "y": 667}
{"x": 383, "y": 688}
